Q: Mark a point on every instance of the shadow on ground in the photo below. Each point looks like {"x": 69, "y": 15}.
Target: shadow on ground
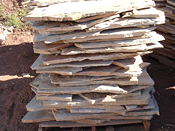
{"x": 15, "y": 91}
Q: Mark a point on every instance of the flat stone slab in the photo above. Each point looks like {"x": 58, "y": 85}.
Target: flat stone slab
{"x": 77, "y": 64}
{"x": 38, "y": 116}
{"x": 80, "y": 36}
{"x": 63, "y": 11}
{"x": 120, "y": 43}
{"x": 56, "y": 59}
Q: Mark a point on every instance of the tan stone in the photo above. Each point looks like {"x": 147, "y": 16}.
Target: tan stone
{"x": 76, "y": 64}
{"x": 62, "y": 11}
{"x": 56, "y": 59}
{"x": 60, "y": 70}
{"x": 144, "y": 13}
{"x": 72, "y": 50}
{"x": 130, "y": 42}
{"x": 66, "y": 116}
{"x": 84, "y": 36}
{"x": 38, "y": 116}
{"x": 70, "y": 124}
{"x": 62, "y": 27}
{"x": 171, "y": 2}
{"x": 35, "y": 83}
{"x": 130, "y": 63}
{"x": 68, "y": 80}
{"x": 42, "y": 47}
{"x": 136, "y": 100}
{"x": 38, "y": 61}
{"x": 59, "y": 97}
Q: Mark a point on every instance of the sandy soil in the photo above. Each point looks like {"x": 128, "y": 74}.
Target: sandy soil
{"x": 16, "y": 59}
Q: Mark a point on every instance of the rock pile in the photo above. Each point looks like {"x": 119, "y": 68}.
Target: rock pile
{"x": 90, "y": 65}
{"x": 166, "y": 55}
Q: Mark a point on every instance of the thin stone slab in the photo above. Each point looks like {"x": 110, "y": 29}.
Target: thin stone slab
{"x": 41, "y": 3}
{"x": 129, "y": 22}
{"x": 136, "y": 100}
{"x": 48, "y": 27}
{"x": 69, "y": 116}
{"x": 66, "y": 124}
{"x": 130, "y": 42}
{"x": 57, "y": 97}
{"x": 35, "y": 83}
{"x": 129, "y": 63}
{"x": 171, "y": 2}
{"x": 91, "y": 121}
{"x": 96, "y": 97}
{"x": 66, "y": 116}
{"x": 72, "y": 50}
{"x": 34, "y": 90}
{"x": 92, "y": 71}
{"x": 166, "y": 29}
{"x": 47, "y": 52}
{"x": 56, "y": 59}
{"x": 35, "y": 105}
{"x": 98, "y": 71}
{"x": 145, "y": 79}
{"x": 63, "y": 11}
{"x": 115, "y": 71}
{"x": 110, "y": 81}
{"x": 141, "y": 80}
{"x": 118, "y": 118}
{"x": 61, "y": 70}
{"x": 145, "y": 35}
{"x": 154, "y": 111}
{"x": 94, "y": 111}
{"x": 169, "y": 6}
{"x": 76, "y": 64}
{"x": 136, "y": 107}
{"x": 47, "y": 87}
{"x": 42, "y": 47}
{"x": 159, "y": 4}
{"x": 38, "y": 116}
{"x": 168, "y": 11}
{"x": 96, "y": 17}
{"x": 83, "y": 35}
{"x": 38, "y": 61}
{"x": 134, "y": 93}
{"x": 104, "y": 35}
{"x": 143, "y": 117}
{"x": 59, "y": 79}
{"x": 145, "y": 13}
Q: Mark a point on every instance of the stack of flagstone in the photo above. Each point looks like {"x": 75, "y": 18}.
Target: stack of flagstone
{"x": 166, "y": 55}
{"x": 160, "y": 3}
{"x": 90, "y": 62}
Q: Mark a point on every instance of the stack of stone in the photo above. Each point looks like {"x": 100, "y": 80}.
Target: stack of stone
{"x": 90, "y": 65}
{"x": 166, "y": 55}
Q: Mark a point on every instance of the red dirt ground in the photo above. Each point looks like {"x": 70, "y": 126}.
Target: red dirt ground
{"x": 17, "y": 57}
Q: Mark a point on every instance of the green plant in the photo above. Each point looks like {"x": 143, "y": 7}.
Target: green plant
{"x": 12, "y": 20}
{"x": 21, "y": 12}
{"x": 15, "y": 19}
{"x": 1, "y": 12}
